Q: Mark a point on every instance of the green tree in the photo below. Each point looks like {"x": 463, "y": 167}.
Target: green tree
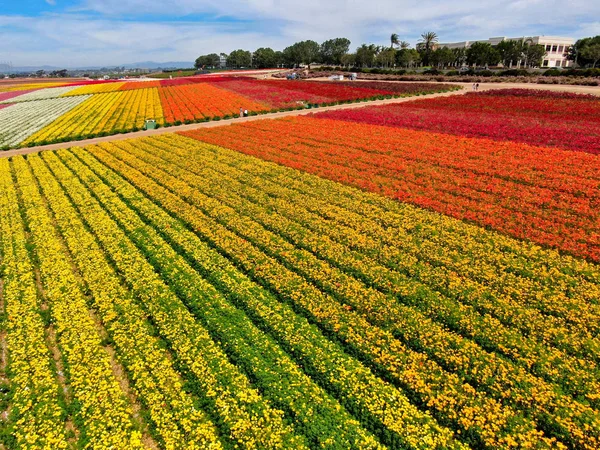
{"x": 460, "y": 56}
{"x": 386, "y": 57}
{"x": 592, "y": 53}
{"x": 264, "y": 58}
{"x": 239, "y": 58}
{"x": 408, "y": 57}
{"x": 304, "y": 52}
{"x": 533, "y": 54}
{"x": 212, "y": 60}
{"x": 427, "y": 44}
{"x": 291, "y": 56}
{"x": 365, "y": 55}
{"x": 310, "y": 52}
{"x": 279, "y": 58}
{"x": 332, "y": 50}
{"x": 576, "y": 52}
{"x": 511, "y": 52}
{"x": 348, "y": 60}
{"x": 441, "y": 57}
{"x": 482, "y": 54}
{"x": 62, "y": 73}
{"x": 394, "y": 40}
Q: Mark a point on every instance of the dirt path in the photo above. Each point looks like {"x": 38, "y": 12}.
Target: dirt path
{"x": 467, "y": 87}
{"x": 577, "y": 89}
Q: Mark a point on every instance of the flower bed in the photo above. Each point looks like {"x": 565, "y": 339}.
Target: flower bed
{"x": 24, "y": 119}
{"x": 103, "y": 114}
{"x": 193, "y": 102}
{"x": 554, "y": 119}
{"x": 534, "y": 193}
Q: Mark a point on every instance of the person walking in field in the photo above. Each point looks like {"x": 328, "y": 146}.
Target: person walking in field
{"x": 477, "y": 87}
{"x": 241, "y": 112}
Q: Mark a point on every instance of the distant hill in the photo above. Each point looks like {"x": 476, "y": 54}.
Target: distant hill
{"x": 156, "y": 65}
{"x": 138, "y": 65}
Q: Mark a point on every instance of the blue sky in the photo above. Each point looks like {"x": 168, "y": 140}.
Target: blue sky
{"x": 74, "y": 33}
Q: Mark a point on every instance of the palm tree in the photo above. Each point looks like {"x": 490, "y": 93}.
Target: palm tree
{"x": 394, "y": 40}
{"x": 428, "y": 41}
{"x": 403, "y": 45}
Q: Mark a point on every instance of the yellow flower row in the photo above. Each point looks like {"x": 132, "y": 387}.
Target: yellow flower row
{"x": 39, "y": 420}
{"x": 571, "y": 420}
{"x": 99, "y": 88}
{"x": 29, "y": 86}
{"x": 243, "y": 414}
{"x": 103, "y": 114}
{"x": 368, "y": 396}
{"x": 452, "y": 257}
{"x": 279, "y": 378}
{"x": 312, "y": 232}
{"x": 155, "y": 380}
{"x": 351, "y": 290}
{"x": 103, "y": 411}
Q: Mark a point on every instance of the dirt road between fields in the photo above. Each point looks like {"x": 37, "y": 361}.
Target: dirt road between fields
{"x": 467, "y": 87}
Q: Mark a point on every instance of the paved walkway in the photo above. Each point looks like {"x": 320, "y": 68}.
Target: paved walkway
{"x": 467, "y": 87}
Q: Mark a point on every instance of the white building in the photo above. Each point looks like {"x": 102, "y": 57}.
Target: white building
{"x": 556, "y": 47}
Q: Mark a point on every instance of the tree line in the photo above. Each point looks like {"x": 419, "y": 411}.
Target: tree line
{"x": 428, "y": 52}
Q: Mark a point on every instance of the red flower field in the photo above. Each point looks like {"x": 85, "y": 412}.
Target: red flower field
{"x": 547, "y": 196}
{"x": 274, "y": 94}
{"x": 554, "y": 119}
{"x": 284, "y": 94}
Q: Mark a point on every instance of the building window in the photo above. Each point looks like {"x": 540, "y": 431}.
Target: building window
{"x": 560, "y": 48}
{"x": 545, "y": 63}
{"x": 564, "y": 63}
{"x": 548, "y": 48}
{"x": 554, "y": 48}
{"x": 558, "y": 63}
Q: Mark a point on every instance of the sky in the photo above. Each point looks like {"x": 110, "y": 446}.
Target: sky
{"x": 76, "y": 33}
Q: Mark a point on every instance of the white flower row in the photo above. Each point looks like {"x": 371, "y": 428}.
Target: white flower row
{"x": 21, "y": 120}
{"x": 42, "y": 94}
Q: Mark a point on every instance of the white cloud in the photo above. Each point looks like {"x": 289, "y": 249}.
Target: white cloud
{"x": 110, "y": 32}
{"x": 51, "y": 2}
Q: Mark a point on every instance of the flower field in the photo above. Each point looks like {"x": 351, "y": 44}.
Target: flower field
{"x": 21, "y": 120}
{"x": 554, "y": 119}
{"x": 12, "y": 87}
{"x": 5, "y": 97}
{"x": 546, "y": 195}
{"x": 43, "y": 94}
{"x": 287, "y": 94}
{"x": 103, "y": 114}
{"x": 192, "y": 102}
{"x": 99, "y": 88}
{"x": 171, "y": 293}
{"x": 118, "y": 107}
